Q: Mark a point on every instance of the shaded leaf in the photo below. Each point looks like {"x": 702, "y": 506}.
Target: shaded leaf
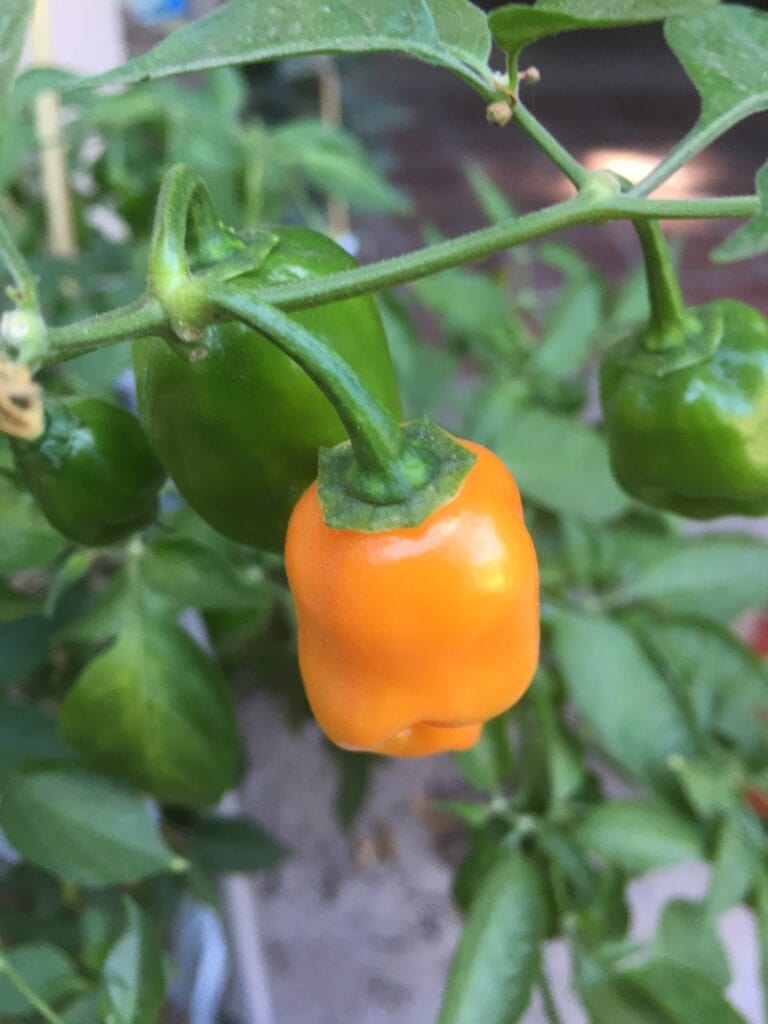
{"x": 86, "y": 829}
{"x": 497, "y": 960}
{"x": 639, "y": 835}
{"x": 28, "y": 540}
{"x": 133, "y": 974}
{"x": 559, "y": 463}
{"x": 450, "y": 33}
{"x": 28, "y": 734}
{"x": 14, "y": 18}
{"x": 751, "y": 238}
{"x": 686, "y": 935}
{"x": 490, "y": 762}
{"x": 516, "y": 26}
{"x": 725, "y": 54}
{"x": 155, "y": 710}
{"x": 48, "y": 971}
{"x": 233, "y": 844}
{"x": 726, "y": 684}
{"x": 621, "y": 697}
{"x": 717, "y": 577}
{"x": 681, "y": 995}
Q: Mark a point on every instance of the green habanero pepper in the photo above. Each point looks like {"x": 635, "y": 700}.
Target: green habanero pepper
{"x": 239, "y": 431}
{"x": 687, "y": 426}
{"x": 91, "y": 471}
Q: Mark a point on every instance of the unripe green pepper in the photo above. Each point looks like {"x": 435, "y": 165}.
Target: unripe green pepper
{"x": 91, "y": 471}
{"x": 239, "y": 431}
{"x": 687, "y": 427}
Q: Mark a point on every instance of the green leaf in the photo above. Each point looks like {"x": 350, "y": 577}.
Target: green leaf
{"x": 353, "y": 777}
{"x": 488, "y": 764}
{"x": 572, "y": 327}
{"x": 133, "y": 973}
{"x": 449, "y": 33}
{"x": 84, "y": 1010}
{"x": 47, "y": 970}
{"x": 725, "y": 54}
{"x": 28, "y": 540}
{"x": 686, "y": 936}
{"x": 514, "y": 27}
{"x": 188, "y": 575}
{"x": 621, "y": 697}
{"x": 739, "y": 857}
{"x": 233, "y": 844}
{"x": 717, "y": 577}
{"x": 726, "y": 684}
{"x": 86, "y": 829}
{"x": 712, "y": 785}
{"x": 28, "y": 734}
{"x": 15, "y": 605}
{"x": 559, "y": 463}
{"x": 497, "y": 960}
{"x": 639, "y": 835}
{"x": 682, "y": 996}
{"x": 751, "y": 239}
{"x": 14, "y": 18}
{"x": 155, "y": 710}
{"x": 24, "y": 646}
{"x": 334, "y": 162}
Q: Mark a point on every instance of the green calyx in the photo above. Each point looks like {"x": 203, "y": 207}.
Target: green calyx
{"x": 696, "y": 343}
{"x": 431, "y": 470}
{"x": 386, "y": 476}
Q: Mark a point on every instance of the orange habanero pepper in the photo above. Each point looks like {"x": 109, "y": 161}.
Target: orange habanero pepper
{"x": 411, "y": 638}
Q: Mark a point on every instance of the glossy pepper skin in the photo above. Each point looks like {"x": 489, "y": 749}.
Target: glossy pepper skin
{"x": 240, "y": 431}
{"x": 92, "y": 471}
{"x": 410, "y": 639}
{"x": 695, "y": 440}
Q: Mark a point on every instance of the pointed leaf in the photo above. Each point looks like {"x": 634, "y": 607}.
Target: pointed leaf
{"x": 450, "y": 33}
{"x": 639, "y": 835}
{"x": 86, "y": 829}
{"x": 713, "y": 576}
{"x": 497, "y": 960}
{"x": 28, "y": 734}
{"x": 48, "y": 971}
{"x": 751, "y": 239}
{"x": 234, "y": 844}
{"x": 681, "y": 995}
{"x": 725, "y": 54}
{"x": 133, "y": 972}
{"x": 14, "y": 18}
{"x": 621, "y": 697}
{"x": 686, "y": 935}
{"x": 155, "y": 710}
{"x": 516, "y": 26}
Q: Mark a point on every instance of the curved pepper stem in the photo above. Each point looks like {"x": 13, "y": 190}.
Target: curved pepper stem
{"x": 191, "y": 246}
{"x": 670, "y": 320}
{"x": 388, "y": 468}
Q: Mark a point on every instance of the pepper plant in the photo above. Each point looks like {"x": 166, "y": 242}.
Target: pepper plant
{"x": 258, "y": 349}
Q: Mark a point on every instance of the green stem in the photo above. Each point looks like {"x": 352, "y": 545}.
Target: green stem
{"x": 184, "y": 215}
{"x": 141, "y": 319}
{"x": 389, "y": 469}
{"x": 146, "y": 317}
{"x": 23, "y": 280}
{"x": 697, "y": 139}
{"x": 29, "y": 994}
{"x": 570, "y": 167}
{"x": 478, "y": 245}
{"x": 547, "y": 997}
{"x": 668, "y": 313}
